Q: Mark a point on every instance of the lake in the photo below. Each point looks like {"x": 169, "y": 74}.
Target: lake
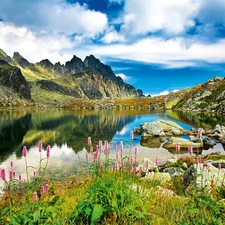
{"x": 67, "y": 131}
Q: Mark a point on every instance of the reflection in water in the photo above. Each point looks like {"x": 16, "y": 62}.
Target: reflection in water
{"x": 71, "y": 128}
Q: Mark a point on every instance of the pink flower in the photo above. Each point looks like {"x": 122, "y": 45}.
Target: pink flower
{"x": 24, "y": 151}
{"x": 156, "y": 161}
{"x": 146, "y": 163}
{"x": 10, "y": 175}
{"x": 205, "y": 164}
{"x": 3, "y": 176}
{"x": 48, "y": 151}
{"x": 219, "y": 166}
{"x": 198, "y": 159}
{"x": 95, "y": 155}
{"x": 35, "y": 197}
{"x": 131, "y": 160}
{"x": 121, "y": 145}
{"x": 135, "y": 150}
{"x": 134, "y": 169}
{"x": 89, "y": 141}
{"x": 190, "y": 150}
{"x": 131, "y": 135}
{"x": 115, "y": 145}
{"x": 20, "y": 177}
{"x": 46, "y": 187}
{"x": 14, "y": 173}
{"x": 11, "y": 164}
{"x": 200, "y": 133}
{"x": 42, "y": 189}
{"x": 87, "y": 155}
{"x": 96, "y": 148}
{"x": 117, "y": 154}
{"x": 177, "y": 147}
{"x": 39, "y": 146}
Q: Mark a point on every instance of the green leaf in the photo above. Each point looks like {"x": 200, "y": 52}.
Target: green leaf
{"x": 54, "y": 200}
{"x": 32, "y": 184}
{"x": 96, "y": 213}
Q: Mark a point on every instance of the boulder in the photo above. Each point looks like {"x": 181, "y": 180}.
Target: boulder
{"x": 152, "y": 129}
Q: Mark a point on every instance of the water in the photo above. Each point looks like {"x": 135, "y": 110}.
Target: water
{"x": 67, "y": 132}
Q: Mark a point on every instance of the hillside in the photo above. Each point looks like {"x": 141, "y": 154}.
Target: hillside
{"x": 51, "y": 84}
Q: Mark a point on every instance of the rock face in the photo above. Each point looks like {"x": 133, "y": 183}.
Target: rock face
{"x": 88, "y": 79}
{"x": 11, "y": 77}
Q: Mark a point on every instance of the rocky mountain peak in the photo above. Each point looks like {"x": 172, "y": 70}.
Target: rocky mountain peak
{"x": 46, "y": 63}
{"x": 75, "y": 65}
{"x": 20, "y": 60}
{"x": 5, "y": 57}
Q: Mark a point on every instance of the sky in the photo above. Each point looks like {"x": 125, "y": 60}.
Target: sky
{"x": 158, "y": 46}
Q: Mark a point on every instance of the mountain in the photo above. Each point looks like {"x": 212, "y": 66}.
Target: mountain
{"x": 55, "y": 83}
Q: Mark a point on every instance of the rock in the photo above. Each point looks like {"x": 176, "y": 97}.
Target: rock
{"x": 195, "y": 139}
{"x": 174, "y": 171}
{"x": 152, "y": 129}
{"x": 151, "y": 142}
{"x": 184, "y": 143}
{"x": 162, "y": 177}
{"x": 171, "y": 162}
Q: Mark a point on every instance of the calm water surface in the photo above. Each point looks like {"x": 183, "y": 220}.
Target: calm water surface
{"x": 67, "y": 132}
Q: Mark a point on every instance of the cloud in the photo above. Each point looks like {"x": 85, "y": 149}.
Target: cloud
{"x": 124, "y": 77}
{"x": 112, "y": 36}
{"x": 54, "y": 16}
{"x": 173, "y": 17}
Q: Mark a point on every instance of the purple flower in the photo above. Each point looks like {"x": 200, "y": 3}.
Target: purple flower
{"x": 25, "y": 151}
{"x": 48, "y": 151}
{"x": 39, "y": 146}
{"x": 35, "y": 197}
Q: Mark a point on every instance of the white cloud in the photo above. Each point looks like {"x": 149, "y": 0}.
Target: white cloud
{"x": 124, "y": 77}
{"x": 174, "y": 16}
{"x": 113, "y": 36}
{"x": 54, "y": 16}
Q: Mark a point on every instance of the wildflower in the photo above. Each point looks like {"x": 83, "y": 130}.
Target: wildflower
{"x": 42, "y": 189}
{"x": 89, "y": 141}
{"x": 11, "y": 164}
{"x": 135, "y": 150}
{"x": 190, "y": 150}
{"x": 3, "y": 176}
{"x": 96, "y": 148}
{"x": 147, "y": 163}
{"x": 205, "y": 164}
{"x": 177, "y": 147}
{"x": 199, "y": 133}
{"x": 46, "y": 187}
{"x": 156, "y": 160}
{"x": 39, "y": 146}
{"x": 35, "y": 197}
{"x": 117, "y": 154}
{"x": 121, "y": 145}
{"x": 131, "y": 135}
{"x": 24, "y": 151}
{"x": 181, "y": 179}
{"x": 135, "y": 170}
{"x": 131, "y": 160}
{"x": 198, "y": 159}
{"x": 100, "y": 145}
{"x": 48, "y": 151}
{"x": 219, "y": 166}
{"x": 10, "y": 175}
{"x": 87, "y": 155}
{"x": 115, "y": 147}
{"x": 14, "y": 173}
{"x": 95, "y": 155}
{"x": 20, "y": 177}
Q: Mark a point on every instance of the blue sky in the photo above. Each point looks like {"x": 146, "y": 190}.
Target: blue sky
{"x": 156, "y": 45}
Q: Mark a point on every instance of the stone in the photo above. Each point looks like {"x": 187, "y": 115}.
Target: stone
{"x": 152, "y": 129}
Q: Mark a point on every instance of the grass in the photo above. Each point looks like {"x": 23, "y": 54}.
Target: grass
{"x": 108, "y": 192}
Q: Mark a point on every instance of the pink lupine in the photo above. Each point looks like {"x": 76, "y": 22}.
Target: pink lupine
{"x": 147, "y": 163}
{"x": 10, "y": 175}
{"x": 46, "y": 187}
{"x": 219, "y": 166}
{"x": 135, "y": 150}
{"x": 3, "y": 175}
{"x": 199, "y": 133}
{"x": 135, "y": 170}
{"x": 11, "y": 164}
{"x": 100, "y": 145}
{"x": 117, "y": 154}
{"x": 156, "y": 161}
{"x": 205, "y": 164}
{"x": 198, "y": 159}
{"x": 48, "y": 149}
{"x": 95, "y": 155}
{"x": 14, "y": 174}
{"x": 115, "y": 147}
{"x": 24, "y": 151}
{"x": 87, "y": 155}
{"x": 177, "y": 147}
{"x": 190, "y": 150}
{"x": 42, "y": 189}
{"x": 131, "y": 160}
{"x": 35, "y": 197}
{"x": 89, "y": 141}
{"x": 131, "y": 135}
{"x": 20, "y": 177}
{"x": 39, "y": 146}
